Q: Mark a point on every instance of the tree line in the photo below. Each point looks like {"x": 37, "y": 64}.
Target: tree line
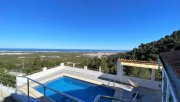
{"x": 39, "y": 63}
{"x": 107, "y": 64}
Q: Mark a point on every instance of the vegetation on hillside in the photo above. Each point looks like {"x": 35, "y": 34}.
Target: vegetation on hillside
{"x": 149, "y": 51}
{"x": 5, "y": 78}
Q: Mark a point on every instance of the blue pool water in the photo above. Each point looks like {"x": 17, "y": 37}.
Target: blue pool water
{"x": 80, "y": 89}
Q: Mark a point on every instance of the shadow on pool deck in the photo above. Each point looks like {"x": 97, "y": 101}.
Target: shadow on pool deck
{"x": 8, "y": 99}
{"x": 146, "y": 95}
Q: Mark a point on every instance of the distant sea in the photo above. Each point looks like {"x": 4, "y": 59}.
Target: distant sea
{"x": 59, "y": 50}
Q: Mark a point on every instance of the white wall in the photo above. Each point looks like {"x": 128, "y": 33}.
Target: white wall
{"x": 144, "y": 82}
{"x": 93, "y": 73}
{"x": 83, "y": 71}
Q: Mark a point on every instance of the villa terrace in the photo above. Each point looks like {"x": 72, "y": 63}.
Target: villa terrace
{"x": 121, "y": 84}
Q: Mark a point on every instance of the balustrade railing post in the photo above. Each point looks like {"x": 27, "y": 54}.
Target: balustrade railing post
{"x": 16, "y": 85}
{"x": 44, "y": 93}
{"x": 28, "y": 88}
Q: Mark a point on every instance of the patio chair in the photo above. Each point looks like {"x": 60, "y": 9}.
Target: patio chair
{"x": 136, "y": 85}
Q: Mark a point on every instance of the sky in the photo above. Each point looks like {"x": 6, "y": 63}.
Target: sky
{"x": 86, "y": 24}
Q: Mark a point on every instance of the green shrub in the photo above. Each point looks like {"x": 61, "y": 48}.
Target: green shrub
{"x": 7, "y": 80}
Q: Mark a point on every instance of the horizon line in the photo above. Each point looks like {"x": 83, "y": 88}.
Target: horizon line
{"x": 62, "y": 49}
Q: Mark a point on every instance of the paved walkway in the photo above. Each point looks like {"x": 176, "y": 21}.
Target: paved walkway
{"x": 4, "y": 97}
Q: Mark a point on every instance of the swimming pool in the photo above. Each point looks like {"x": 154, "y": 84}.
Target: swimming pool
{"x": 79, "y": 89}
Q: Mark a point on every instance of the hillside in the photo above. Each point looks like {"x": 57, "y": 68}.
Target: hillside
{"x": 149, "y": 51}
